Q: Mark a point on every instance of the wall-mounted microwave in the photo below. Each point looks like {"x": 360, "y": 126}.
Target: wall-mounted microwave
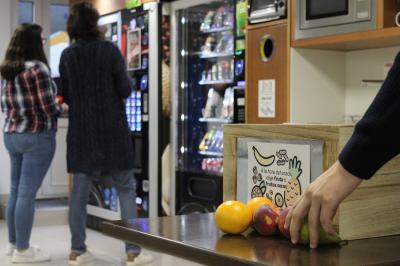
{"x": 266, "y": 10}
{"x": 316, "y": 18}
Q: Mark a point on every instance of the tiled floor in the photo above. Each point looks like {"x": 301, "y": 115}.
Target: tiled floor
{"x": 108, "y": 251}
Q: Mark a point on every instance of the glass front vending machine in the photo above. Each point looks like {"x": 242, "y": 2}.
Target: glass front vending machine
{"x": 207, "y": 79}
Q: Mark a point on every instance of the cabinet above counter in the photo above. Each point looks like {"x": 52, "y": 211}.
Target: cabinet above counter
{"x": 352, "y": 41}
{"x": 346, "y": 32}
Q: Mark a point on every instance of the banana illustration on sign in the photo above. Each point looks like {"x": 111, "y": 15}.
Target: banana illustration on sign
{"x": 262, "y": 160}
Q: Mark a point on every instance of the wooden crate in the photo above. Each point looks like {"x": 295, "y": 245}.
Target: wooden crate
{"x": 372, "y": 210}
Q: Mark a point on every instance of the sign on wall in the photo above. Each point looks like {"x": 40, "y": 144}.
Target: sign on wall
{"x": 278, "y": 171}
{"x": 266, "y": 98}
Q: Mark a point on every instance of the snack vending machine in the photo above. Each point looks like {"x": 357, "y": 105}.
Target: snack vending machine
{"x": 137, "y": 33}
{"x": 208, "y": 92}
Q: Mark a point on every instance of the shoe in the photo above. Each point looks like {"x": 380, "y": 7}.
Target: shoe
{"x": 141, "y": 259}
{"x": 30, "y": 255}
{"x": 9, "y": 249}
{"x": 77, "y": 259}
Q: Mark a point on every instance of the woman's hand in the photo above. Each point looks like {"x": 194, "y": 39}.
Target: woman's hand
{"x": 320, "y": 201}
{"x": 65, "y": 108}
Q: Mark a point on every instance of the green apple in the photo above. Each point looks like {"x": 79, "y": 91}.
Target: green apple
{"x": 324, "y": 237}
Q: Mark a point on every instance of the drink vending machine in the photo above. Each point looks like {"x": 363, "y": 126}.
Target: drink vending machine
{"x": 208, "y": 92}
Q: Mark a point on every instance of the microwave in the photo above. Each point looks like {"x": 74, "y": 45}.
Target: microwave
{"x": 266, "y": 10}
{"x": 316, "y": 18}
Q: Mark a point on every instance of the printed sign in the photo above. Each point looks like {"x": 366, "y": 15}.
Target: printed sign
{"x": 266, "y": 98}
{"x": 133, "y": 52}
{"x": 278, "y": 171}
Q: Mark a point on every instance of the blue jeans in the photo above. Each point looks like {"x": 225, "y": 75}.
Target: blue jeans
{"x": 126, "y": 186}
{"x": 30, "y": 156}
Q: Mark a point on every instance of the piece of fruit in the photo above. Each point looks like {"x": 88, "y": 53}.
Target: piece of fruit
{"x": 233, "y": 217}
{"x": 324, "y": 237}
{"x": 265, "y": 220}
{"x": 281, "y": 223}
{"x": 256, "y": 202}
{"x": 263, "y": 160}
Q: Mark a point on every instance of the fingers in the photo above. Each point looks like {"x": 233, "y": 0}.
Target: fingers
{"x": 297, "y": 217}
{"x": 289, "y": 215}
{"x": 326, "y": 216}
{"x": 313, "y": 222}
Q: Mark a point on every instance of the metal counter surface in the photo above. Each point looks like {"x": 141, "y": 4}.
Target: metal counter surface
{"x": 196, "y": 238}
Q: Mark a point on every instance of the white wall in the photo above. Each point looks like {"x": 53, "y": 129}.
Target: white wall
{"x": 364, "y": 64}
{"x": 317, "y": 86}
{"x": 5, "y": 33}
{"x": 326, "y": 86}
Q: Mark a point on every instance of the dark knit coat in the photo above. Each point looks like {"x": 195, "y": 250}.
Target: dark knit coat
{"x": 376, "y": 136}
{"x": 94, "y": 85}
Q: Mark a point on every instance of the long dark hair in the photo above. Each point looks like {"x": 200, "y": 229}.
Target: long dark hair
{"x": 82, "y": 22}
{"x": 25, "y": 45}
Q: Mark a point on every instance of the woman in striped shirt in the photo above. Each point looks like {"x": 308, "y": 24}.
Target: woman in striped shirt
{"x": 28, "y": 101}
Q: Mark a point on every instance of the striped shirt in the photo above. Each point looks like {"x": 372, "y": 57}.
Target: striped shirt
{"x": 29, "y": 100}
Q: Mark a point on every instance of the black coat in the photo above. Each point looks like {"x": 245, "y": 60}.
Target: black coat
{"x": 94, "y": 85}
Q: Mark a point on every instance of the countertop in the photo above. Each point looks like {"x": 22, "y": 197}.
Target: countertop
{"x": 195, "y": 237}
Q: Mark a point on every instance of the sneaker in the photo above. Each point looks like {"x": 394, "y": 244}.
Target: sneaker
{"x": 9, "y": 249}
{"x": 30, "y": 255}
{"x": 80, "y": 259}
{"x": 136, "y": 260}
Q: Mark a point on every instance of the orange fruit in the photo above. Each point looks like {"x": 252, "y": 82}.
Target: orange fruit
{"x": 254, "y": 203}
{"x": 233, "y": 217}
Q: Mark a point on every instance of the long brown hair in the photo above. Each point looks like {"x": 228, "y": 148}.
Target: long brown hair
{"x": 25, "y": 45}
{"x": 82, "y": 22}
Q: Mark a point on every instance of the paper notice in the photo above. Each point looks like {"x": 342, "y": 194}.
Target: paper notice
{"x": 266, "y": 98}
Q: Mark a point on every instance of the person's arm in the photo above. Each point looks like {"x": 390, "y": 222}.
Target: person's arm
{"x": 320, "y": 201}
{"x": 373, "y": 143}
{"x": 375, "y": 138}
{"x": 122, "y": 82}
{"x": 45, "y": 90}
{"x": 64, "y": 79}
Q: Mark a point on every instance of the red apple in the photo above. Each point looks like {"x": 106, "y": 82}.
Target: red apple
{"x": 281, "y": 223}
{"x": 265, "y": 221}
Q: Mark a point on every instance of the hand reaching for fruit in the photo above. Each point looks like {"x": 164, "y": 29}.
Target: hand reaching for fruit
{"x": 235, "y": 217}
{"x": 319, "y": 204}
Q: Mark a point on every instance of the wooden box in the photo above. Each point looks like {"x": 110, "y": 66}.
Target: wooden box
{"x": 372, "y": 210}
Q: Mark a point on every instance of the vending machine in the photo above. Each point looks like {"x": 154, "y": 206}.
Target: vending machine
{"x": 208, "y": 92}
{"x": 137, "y": 32}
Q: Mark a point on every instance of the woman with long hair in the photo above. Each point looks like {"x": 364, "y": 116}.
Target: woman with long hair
{"x": 95, "y": 83}
{"x": 28, "y": 100}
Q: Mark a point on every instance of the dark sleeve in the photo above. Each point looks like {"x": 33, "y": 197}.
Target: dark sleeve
{"x": 64, "y": 78}
{"x": 46, "y": 90}
{"x": 376, "y": 138}
{"x": 122, "y": 82}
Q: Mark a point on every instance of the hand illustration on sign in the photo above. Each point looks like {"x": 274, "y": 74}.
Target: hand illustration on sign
{"x": 293, "y": 188}
{"x": 264, "y": 161}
